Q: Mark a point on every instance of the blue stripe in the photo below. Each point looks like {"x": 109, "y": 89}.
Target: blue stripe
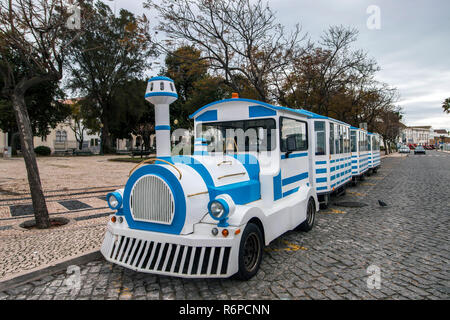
{"x": 260, "y": 111}
{"x": 200, "y": 153}
{"x": 295, "y": 155}
{"x": 160, "y": 78}
{"x": 295, "y": 178}
{"x": 320, "y": 180}
{"x": 161, "y": 94}
{"x": 321, "y": 162}
{"x": 285, "y": 194}
{"x": 321, "y": 188}
{"x": 162, "y": 128}
{"x": 277, "y": 192}
{"x": 210, "y": 115}
{"x": 321, "y": 170}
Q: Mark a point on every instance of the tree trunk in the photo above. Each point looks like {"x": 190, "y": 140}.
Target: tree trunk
{"x": 106, "y": 137}
{"x": 386, "y": 150}
{"x": 34, "y": 180}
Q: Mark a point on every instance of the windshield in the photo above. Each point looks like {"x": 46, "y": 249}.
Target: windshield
{"x": 239, "y": 136}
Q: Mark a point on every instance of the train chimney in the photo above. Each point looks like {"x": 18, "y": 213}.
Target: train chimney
{"x": 161, "y": 92}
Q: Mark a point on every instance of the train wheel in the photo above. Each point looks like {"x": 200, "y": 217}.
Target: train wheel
{"x": 308, "y": 224}
{"x": 250, "y": 252}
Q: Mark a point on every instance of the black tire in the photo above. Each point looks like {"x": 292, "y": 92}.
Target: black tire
{"x": 250, "y": 252}
{"x": 308, "y": 224}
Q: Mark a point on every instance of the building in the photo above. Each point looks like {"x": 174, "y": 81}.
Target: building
{"x": 419, "y": 135}
{"x": 440, "y": 136}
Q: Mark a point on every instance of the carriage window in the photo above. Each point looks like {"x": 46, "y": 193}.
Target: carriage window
{"x": 370, "y": 142}
{"x": 341, "y": 139}
{"x": 331, "y": 140}
{"x": 319, "y": 128}
{"x": 237, "y": 136}
{"x": 151, "y": 86}
{"x": 171, "y": 87}
{"x": 161, "y": 86}
{"x": 296, "y": 128}
{"x": 336, "y": 139}
{"x": 353, "y": 141}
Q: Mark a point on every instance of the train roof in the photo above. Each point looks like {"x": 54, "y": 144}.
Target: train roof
{"x": 309, "y": 114}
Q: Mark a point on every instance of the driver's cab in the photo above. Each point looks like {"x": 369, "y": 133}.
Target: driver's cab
{"x": 272, "y": 139}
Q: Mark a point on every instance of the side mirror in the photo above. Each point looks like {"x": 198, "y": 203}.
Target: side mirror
{"x": 291, "y": 143}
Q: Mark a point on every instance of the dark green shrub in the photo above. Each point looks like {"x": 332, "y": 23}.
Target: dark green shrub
{"x": 42, "y": 151}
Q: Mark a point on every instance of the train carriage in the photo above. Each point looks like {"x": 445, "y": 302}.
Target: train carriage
{"x": 332, "y": 159}
{"x": 359, "y": 152}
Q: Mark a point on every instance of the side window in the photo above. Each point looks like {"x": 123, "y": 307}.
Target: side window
{"x": 336, "y": 139}
{"x": 341, "y": 139}
{"x": 171, "y": 87}
{"x": 319, "y": 129}
{"x": 331, "y": 140}
{"x": 161, "y": 86}
{"x": 370, "y": 142}
{"x": 151, "y": 86}
{"x": 293, "y": 128}
{"x": 353, "y": 141}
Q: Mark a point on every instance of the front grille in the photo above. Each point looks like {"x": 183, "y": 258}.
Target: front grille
{"x": 152, "y": 200}
{"x": 145, "y": 255}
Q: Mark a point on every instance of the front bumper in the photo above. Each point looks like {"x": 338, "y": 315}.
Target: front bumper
{"x": 196, "y": 255}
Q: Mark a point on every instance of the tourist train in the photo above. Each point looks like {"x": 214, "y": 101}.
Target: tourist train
{"x": 256, "y": 171}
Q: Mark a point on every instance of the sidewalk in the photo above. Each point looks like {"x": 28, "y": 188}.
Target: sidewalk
{"x": 75, "y": 188}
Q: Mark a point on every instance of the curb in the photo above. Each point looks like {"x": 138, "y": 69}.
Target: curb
{"x": 40, "y": 272}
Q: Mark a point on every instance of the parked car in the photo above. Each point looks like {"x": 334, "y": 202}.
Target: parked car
{"x": 419, "y": 149}
{"x": 404, "y": 149}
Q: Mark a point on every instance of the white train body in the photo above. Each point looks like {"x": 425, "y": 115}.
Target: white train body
{"x": 190, "y": 216}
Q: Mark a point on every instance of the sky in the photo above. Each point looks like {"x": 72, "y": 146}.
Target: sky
{"x": 410, "y": 40}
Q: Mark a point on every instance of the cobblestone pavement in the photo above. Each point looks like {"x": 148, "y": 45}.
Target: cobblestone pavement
{"x": 408, "y": 241}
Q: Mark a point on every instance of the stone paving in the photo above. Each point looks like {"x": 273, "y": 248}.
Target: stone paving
{"x": 74, "y": 188}
{"x": 407, "y": 241}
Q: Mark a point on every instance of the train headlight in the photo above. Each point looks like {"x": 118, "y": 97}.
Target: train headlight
{"x": 114, "y": 200}
{"x": 221, "y": 208}
{"x": 218, "y": 209}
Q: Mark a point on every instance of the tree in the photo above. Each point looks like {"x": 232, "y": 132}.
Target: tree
{"x": 195, "y": 86}
{"x": 238, "y": 38}
{"x": 44, "y": 109}
{"x": 446, "y": 105}
{"x": 35, "y": 32}
{"x": 111, "y": 51}
{"x": 76, "y": 120}
{"x": 388, "y": 126}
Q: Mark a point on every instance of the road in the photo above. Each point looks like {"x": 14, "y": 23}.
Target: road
{"x": 400, "y": 251}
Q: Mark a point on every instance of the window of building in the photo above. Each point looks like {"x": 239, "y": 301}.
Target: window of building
{"x": 319, "y": 128}
{"x": 61, "y": 135}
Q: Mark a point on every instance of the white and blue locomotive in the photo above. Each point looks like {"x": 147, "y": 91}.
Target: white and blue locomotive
{"x": 210, "y": 214}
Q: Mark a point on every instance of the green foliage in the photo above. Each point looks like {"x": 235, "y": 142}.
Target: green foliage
{"x": 104, "y": 63}
{"x": 44, "y": 109}
{"x": 446, "y": 105}
{"x": 42, "y": 151}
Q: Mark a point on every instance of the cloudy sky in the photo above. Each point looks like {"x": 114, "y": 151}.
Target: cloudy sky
{"x": 412, "y": 45}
